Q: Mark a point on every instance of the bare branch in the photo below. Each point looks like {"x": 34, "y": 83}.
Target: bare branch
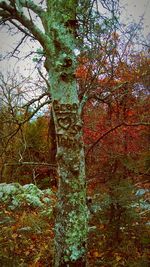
{"x": 36, "y": 110}
{"x": 10, "y": 137}
{"x": 113, "y": 129}
{"x": 19, "y": 44}
{"x": 33, "y": 100}
{"x": 10, "y": 12}
{"x": 46, "y": 81}
{"x": 23, "y": 30}
{"x": 52, "y": 166}
{"x": 31, "y": 5}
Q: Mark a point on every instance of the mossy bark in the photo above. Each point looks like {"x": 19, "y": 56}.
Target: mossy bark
{"x": 71, "y": 210}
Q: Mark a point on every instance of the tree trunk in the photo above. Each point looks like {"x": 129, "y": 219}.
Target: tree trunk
{"x": 57, "y": 35}
{"x": 71, "y": 210}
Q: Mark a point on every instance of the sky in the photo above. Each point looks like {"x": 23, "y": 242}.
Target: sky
{"x": 135, "y": 9}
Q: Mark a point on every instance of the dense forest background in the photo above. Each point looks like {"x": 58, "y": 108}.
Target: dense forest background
{"x": 114, "y": 78}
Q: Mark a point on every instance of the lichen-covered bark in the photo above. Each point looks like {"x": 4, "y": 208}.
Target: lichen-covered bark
{"x": 71, "y": 211}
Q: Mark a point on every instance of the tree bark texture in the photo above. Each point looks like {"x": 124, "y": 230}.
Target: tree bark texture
{"x": 71, "y": 210}
{"x": 71, "y": 215}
